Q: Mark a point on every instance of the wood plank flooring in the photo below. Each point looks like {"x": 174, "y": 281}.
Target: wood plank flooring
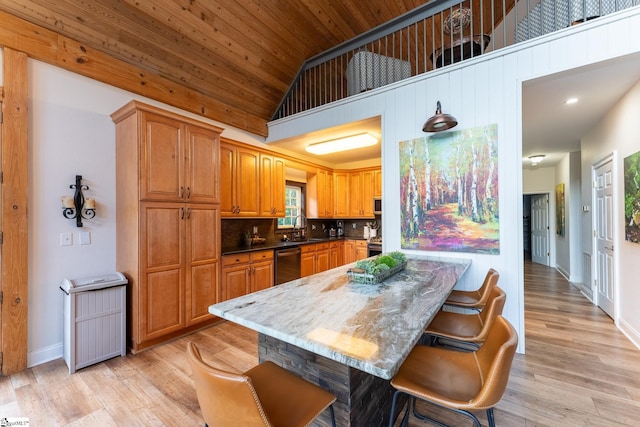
{"x": 579, "y": 370}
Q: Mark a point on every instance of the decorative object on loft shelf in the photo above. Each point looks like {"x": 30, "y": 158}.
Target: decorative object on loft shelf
{"x": 457, "y": 21}
{"x": 77, "y": 207}
{"x": 535, "y": 160}
{"x": 457, "y": 41}
{"x": 439, "y": 121}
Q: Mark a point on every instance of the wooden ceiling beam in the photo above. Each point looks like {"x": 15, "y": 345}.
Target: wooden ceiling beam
{"x": 45, "y": 45}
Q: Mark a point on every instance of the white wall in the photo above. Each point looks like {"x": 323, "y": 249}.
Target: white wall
{"x": 483, "y": 90}
{"x": 617, "y": 133}
{"x": 71, "y": 132}
{"x": 539, "y": 180}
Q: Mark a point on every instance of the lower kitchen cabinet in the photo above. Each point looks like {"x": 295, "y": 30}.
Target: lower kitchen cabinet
{"x": 314, "y": 258}
{"x": 336, "y": 254}
{"x": 355, "y": 250}
{"x": 362, "y": 250}
{"x": 245, "y": 273}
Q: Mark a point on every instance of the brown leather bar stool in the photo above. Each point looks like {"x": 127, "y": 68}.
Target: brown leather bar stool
{"x": 474, "y": 299}
{"x": 455, "y": 380}
{"x": 266, "y": 395}
{"x": 466, "y": 331}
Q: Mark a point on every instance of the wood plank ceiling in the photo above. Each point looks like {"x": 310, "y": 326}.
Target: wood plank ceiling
{"x": 240, "y": 55}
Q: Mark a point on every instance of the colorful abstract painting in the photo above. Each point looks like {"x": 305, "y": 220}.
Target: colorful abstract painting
{"x": 632, "y": 198}
{"x": 560, "y": 209}
{"x": 449, "y": 192}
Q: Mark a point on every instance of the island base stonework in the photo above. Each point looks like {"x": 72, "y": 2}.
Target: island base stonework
{"x": 362, "y": 399}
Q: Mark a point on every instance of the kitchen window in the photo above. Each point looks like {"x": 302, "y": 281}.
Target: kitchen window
{"x": 294, "y": 206}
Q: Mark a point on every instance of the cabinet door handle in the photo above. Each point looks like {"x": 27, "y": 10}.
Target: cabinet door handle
{"x": 181, "y": 192}
{"x": 188, "y": 213}
{"x": 188, "y": 193}
{"x": 181, "y": 213}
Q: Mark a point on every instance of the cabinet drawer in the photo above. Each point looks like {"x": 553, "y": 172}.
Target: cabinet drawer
{"x": 261, "y": 255}
{"x": 308, "y": 248}
{"x": 236, "y": 259}
{"x": 322, "y": 246}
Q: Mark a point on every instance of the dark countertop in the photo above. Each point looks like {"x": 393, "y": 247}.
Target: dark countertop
{"x": 229, "y": 250}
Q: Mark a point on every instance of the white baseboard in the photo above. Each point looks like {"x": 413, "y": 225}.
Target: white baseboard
{"x": 44, "y": 355}
{"x": 630, "y": 332}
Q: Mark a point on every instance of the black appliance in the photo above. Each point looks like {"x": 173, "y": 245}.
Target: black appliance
{"x": 377, "y": 206}
{"x": 287, "y": 264}
{"x": 374, "y": 247}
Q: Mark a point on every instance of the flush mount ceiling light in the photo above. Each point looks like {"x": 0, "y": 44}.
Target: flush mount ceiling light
{"x": 439, "y": 122}
{"x": 343, "y": 144}
{"x": 536, "y": 159}
{"x": 571, "y": 101}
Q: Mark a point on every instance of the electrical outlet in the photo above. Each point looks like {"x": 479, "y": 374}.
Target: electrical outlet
{"x": 66, "y": 239}
{"x": 353, "y": 224}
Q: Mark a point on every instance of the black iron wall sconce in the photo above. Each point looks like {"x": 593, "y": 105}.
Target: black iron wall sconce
{"x": 77, "y": 207}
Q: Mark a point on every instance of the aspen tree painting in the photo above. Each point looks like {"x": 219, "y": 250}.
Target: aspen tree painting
{"x": 449, "y": 192}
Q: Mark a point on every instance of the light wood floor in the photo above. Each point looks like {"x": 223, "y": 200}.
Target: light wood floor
{"x": 578, "y": 371}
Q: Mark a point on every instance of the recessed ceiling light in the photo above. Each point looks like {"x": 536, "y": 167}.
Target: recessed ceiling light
{"x": 343, "y": 144}
{"x": 571, "y": 101}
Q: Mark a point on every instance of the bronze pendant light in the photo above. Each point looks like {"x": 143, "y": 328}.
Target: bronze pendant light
{"x": 439, "y": 121}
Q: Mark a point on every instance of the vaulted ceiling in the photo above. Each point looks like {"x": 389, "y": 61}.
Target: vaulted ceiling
{"x": 229, "y": 60}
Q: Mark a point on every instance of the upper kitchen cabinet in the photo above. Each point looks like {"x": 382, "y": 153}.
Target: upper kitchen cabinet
{"x": 320, "y": 194}
{"x": 361, "y": 193}
{"x": 377, "y": 183}
{"x": 341, "y": 194}
{"x": 239, "y": 181}
{"x": 178, "y": 158}
{"x": 272, "y": 186}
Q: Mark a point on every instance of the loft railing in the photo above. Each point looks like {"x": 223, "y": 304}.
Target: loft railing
{"x": 434, "y": 35}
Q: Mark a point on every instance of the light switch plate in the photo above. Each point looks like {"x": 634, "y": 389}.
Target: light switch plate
{"x": 66, "y": 239}
{"x": 85, "y": 237}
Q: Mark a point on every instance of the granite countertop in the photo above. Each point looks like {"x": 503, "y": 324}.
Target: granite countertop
{"x": 228, "y": 250}
{"x": 369, "y": 327}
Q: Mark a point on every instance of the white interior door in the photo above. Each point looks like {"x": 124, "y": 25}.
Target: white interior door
{"x": 605, "y": 272}
{"x": 540, "y": 229}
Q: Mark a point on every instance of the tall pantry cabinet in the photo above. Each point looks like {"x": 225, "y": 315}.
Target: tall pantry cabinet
{"x": 167, "y": 221}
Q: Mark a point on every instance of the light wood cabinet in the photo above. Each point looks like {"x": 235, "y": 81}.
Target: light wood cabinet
{"x": 167, "y": 221}
{"x": 349, "y": 251}
{"x": 361, "y": 188}
{"x": 336, "y": 254}
{"x": 239, "y": 181}
{"x": 320, "y": 194}
{"x": 245, "y": 273}
{"x": 175, "y": 160}
{"x": 341, "y": 194}
{"x": 355, "y": 250}
{"x": 362, "y": 251}
{"x": 272, "y": 186}
{"x": 377, "y": 183}
{"x": 314, "y": 258}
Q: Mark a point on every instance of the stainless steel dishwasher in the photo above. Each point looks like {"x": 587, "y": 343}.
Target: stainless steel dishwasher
{"x": 287, "y": 264}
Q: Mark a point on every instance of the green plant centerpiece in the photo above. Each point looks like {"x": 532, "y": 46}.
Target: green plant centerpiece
{"x": 374, "y": 270}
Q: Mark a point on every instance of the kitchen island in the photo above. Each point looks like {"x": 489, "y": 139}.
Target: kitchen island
{"x": 349, "y": 338}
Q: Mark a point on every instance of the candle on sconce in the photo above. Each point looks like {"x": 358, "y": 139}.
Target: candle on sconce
{"x": 67, "y": 202}
{"x": 90, "y": 203}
